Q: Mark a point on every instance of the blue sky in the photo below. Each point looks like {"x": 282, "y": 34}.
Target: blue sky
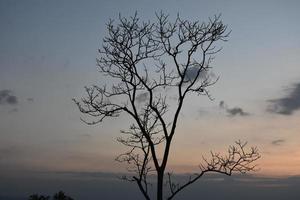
{"x": 48, "y": 53}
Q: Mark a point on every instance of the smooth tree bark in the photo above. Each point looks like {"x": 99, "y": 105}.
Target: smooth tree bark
{"x": 153, "y": 67}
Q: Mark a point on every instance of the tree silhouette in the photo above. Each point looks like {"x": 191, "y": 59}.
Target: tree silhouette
{"x": 61, "y": 196}
{"x": 38, "y": 197}
{"x": 57, "y": 196}
{"x": 146, "y": 63}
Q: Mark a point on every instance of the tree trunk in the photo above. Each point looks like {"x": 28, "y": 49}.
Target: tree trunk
{"x": 160, "y": 181}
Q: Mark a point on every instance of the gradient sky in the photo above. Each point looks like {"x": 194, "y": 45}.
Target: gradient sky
{"x": 47, "y": 55}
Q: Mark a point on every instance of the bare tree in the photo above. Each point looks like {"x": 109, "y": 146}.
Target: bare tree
{"x": 147, "y": 61}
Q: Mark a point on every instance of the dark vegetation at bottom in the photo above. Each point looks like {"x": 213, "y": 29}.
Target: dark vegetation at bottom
{"x": 57, "y": 196}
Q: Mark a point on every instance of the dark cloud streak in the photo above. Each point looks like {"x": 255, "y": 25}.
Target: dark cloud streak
{"x": 277, "y": 142}
{"x": 288, "y": 104}
{"x": 6, "y": 97}
{"x": 233, "y": 111}
{"x": 236, "y": 111}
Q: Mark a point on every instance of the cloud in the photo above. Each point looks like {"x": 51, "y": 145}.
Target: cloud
{"x": 237, "y": 111}
{"x": 233, "y": 111}
{"x": 6, "y": 97}
{"x": 288, "y": 104}
{"x": 222, "y": 105}
{"x": 191, "y": 74}
{"x": 30, "y": 99}
{"x": 142, "y": 97}
{"x": 277, "y": 142}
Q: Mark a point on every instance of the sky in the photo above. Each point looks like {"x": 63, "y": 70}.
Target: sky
{"x": 48, "y": 52}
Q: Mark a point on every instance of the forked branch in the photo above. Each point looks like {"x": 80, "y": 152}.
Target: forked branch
{"x": 238, "y": 159}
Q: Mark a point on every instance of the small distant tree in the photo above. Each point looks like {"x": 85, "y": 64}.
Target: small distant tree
{"x": 146, "y": 62}
{"x": 61, "y": 196}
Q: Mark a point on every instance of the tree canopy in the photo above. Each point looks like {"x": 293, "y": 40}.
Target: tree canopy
{"x": 146, "y": 62}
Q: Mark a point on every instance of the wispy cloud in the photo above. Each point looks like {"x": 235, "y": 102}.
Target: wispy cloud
{"x": 7, "y": 97}
{"x": 30, "y": 99}
{"x": 235, "y": 111}
{"x": 278, "y": 142}
{"x": 286, "y": 105}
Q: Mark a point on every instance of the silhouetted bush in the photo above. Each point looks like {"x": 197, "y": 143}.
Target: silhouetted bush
{"x": 57, "y": 196}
